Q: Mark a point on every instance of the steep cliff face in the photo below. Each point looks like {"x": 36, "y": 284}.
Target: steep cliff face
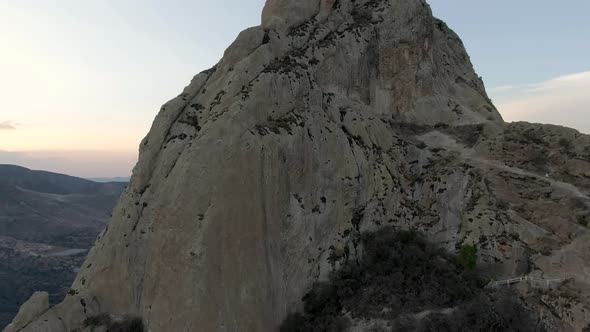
{"x": 331, "y": 118}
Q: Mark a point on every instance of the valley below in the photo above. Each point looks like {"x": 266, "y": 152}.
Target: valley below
{"x": 48, "y": 222}
{"x": 29, "y": 267}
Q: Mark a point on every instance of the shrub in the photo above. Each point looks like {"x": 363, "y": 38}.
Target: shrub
{"x": 582, "y": 221}
{"x": 128, "y": 324}
{"x": 565, "y": 143}
{"x": 98, "y": 320}
{"x": 401, "y": 271}
{"x": 294, "y": 323}
{"x": 468, "y": 257}
{"x": 467, "y": 134}
{"x": 501, "y": 311}
{"x": 534, "y": 136}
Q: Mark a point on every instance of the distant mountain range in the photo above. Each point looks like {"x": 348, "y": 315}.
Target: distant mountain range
{"x": 51, "y": 208}
{"x": 47, "y": 223}
{"x": 115, "y": 179}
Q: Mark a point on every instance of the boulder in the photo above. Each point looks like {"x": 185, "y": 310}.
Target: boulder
{"x": 35, "y": 306}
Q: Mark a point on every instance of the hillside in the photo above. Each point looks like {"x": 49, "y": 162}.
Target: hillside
{"x": 48, "y": 222}
{"x": 50, "y": 208}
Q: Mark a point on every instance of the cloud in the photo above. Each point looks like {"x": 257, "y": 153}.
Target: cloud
{"x": 7, "y": 125}
{"x": 561, "y": 100}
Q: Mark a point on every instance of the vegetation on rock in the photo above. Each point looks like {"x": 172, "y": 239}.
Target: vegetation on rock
{"x": 128, "y": 324}
{"x": 582, "y": 221}
{"x": 468, "y": 257}
{"x": 405, "y": 283}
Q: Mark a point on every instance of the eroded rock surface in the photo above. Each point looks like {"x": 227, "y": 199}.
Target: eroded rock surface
{"x": 314, "y": 127}
{"x": 37, "y": 305}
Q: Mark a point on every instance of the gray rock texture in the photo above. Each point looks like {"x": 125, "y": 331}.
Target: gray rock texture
{"x": 332, "y": 118}
{"x": 37, "y": 305}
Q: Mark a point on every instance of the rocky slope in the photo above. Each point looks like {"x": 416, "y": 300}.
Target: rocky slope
{"x": 48, "y": 222}
{"x": 332, "y": 118}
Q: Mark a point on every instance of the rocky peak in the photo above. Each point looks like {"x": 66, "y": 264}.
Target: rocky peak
{"x": 330, "y": 119}
{"x": 283, "y": 14}
{"x": 408, "y": 62}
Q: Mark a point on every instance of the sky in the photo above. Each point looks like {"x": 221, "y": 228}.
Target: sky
{"x": 81, "y": 81}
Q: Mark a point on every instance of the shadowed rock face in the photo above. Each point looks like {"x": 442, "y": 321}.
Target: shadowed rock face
{"x": 314, "y": 127}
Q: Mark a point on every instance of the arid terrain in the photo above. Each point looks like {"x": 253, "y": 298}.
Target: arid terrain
{"x": 48, "y": 222}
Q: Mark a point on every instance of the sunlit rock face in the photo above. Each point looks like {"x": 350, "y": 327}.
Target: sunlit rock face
{"x": 332, "y": 118}
{"x": 284, "y": 14}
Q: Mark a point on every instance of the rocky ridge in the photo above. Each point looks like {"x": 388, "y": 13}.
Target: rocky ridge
{"x": 332, "y": 118}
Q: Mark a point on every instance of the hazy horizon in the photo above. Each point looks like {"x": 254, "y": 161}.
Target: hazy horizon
{"x": 82, "y": 82}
